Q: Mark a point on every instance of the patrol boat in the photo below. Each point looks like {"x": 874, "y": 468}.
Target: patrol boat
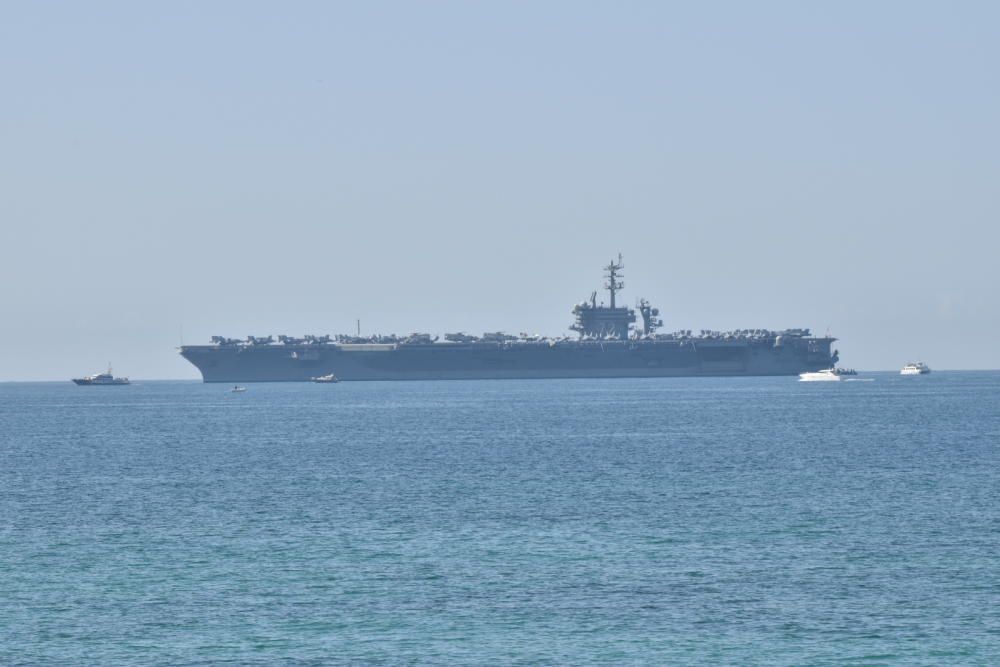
{"x": 101, "y": 379}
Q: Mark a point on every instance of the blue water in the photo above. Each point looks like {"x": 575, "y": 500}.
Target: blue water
{"x": 711, "y": 521}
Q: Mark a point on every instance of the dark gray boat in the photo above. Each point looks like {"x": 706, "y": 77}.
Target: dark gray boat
{"x": 102, "y": 380}
{"x": 609, "y": 343}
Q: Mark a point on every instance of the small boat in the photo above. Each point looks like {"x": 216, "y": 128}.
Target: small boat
{"x": 919, "y": 368}
{"x": 827, "y": 375}
{"x": 238, "y": 389}
{"x": 325, "y": 379}
{"x": 103, "y": 379}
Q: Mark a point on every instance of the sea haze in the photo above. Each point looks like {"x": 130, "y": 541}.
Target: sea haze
{"x": 725, "y": 521}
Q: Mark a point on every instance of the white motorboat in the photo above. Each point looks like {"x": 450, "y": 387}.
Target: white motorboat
{"x": 325, "y": 379}
{"x": 238, "y": 389}
{"x": 919, "y": 368}
{"x": 826, "y": 375}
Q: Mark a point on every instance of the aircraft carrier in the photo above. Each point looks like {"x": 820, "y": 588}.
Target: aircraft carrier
{"x": 609, "y": 342}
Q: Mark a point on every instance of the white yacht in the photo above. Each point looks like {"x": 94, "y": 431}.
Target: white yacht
{"x": 919, "y": 368}
{"x": 827, "y": 375}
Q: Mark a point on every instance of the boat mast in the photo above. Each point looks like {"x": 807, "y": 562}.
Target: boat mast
{"x": 612, "y": 275}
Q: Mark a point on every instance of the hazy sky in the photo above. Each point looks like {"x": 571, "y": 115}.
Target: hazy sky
{"x": 199, "y": 168}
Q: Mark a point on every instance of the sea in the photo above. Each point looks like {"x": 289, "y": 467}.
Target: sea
{"x": 715, "y": 521}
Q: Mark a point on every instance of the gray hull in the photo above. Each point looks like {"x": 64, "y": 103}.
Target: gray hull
{"x": 522, "y": 360}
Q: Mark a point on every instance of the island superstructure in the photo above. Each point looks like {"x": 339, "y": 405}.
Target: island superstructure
{"x": 609, "y": 342}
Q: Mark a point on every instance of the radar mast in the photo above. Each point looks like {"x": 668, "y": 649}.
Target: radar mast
{"x": 612, "y": 275}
